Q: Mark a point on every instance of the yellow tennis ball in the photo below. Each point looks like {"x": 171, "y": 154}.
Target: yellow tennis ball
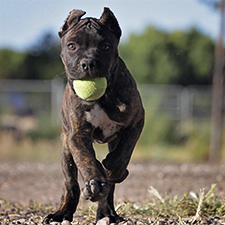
{"x": 90, "y": 89}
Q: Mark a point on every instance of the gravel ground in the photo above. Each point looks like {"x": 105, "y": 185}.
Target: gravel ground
{"x": 22, "y": 183}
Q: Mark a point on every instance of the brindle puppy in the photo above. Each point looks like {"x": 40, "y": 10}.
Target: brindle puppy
{"x": 90, "y": 49}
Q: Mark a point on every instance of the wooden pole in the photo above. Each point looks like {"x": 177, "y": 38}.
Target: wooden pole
{"x": 217, "y": 92}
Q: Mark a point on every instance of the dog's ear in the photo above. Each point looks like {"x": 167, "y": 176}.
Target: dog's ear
{"x": 73, "y": 18}
{"x": 109, "y": 20}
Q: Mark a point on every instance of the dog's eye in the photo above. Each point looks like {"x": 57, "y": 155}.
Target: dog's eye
{"x": 105, "y": 47}
{"x": 71, "y": 46}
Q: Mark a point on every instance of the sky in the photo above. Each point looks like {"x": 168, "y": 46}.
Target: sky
{"x": 23, "y": 22}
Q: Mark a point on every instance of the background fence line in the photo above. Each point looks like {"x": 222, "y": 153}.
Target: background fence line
{"x": 47, "y": 93}
{"x": 174, "y": 101}
{"x": 178, "y": 102}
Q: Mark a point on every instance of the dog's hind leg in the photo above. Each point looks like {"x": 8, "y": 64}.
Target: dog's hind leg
{"x": 71, "y": 194}
{"x": 106, "y": 209}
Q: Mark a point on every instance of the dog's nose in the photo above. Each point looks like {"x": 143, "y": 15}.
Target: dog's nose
{"x": 87, "y": 64}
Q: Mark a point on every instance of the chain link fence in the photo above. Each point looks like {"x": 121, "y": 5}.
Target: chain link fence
{"x": 38, "y": 97}
{"x": 178, "y": 102}
{"x": 25, "y": 102}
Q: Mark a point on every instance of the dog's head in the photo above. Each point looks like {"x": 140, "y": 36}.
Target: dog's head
{"x": 89, "y": 45}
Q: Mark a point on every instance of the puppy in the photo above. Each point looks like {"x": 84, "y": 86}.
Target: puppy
{"x": 90, "y": 49}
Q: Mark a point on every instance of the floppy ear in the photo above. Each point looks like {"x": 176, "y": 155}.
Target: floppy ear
{"x": 73, "y": 18}
{"x": 109, "y": 20}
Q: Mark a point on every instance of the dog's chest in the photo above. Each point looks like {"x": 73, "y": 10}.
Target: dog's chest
{"x": 105, "y": 128}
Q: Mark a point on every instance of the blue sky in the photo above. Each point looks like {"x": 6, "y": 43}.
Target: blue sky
{"x": 23, "y": 21}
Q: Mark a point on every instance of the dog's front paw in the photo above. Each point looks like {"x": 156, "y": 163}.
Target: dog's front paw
{"x": 95, "y": 190}
{"x": 58, "y": 218}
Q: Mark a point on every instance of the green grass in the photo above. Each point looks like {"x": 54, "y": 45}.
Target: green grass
{"x": 189, "y": 209}
{"x": 162, "y": 139}
{"x": 28, "y": 150}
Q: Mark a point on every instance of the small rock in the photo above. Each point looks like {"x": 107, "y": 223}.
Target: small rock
{"x": 139, "y": 223}
{"x": 14, "y": 216}
{"x": 204, "y": 222}
{"x": 216, "y": 218}
{"x": 129, "y": 222}
{"x": 103, "y": 221}
{"x": 162, "y": 222}
{"x": 55, "y": 223}
{"x": 66, "y": 222}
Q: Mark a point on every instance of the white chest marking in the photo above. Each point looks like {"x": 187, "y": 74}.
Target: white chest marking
{"x": 98, "y": 118}
{"x": 122, "y": 107}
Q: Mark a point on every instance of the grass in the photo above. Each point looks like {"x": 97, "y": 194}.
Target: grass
{"x": 175, "y": 141}
{"x": 190, "y": 206}
{"x": 203, "y": 205}
{"x": 26, "y": 149}
{"x": 48, "y": 150}
{"x": 162, "y": 139}
{"x": 189, "y": 209}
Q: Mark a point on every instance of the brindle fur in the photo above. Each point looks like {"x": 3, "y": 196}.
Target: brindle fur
{"x": 96, "y": 54}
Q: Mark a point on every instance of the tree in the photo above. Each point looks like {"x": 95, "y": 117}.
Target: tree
{"x": 43, "y": 59}
{"x": 147, "y": 58}
{"x": 167, "y": 58}
{"x": 11, "y": 64}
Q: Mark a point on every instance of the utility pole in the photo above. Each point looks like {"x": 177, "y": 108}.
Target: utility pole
{"x": 218, "y": 91}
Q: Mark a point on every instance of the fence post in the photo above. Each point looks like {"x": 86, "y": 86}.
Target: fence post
{"x": 186, "y": 105}
{"x": 218, "y": 90}
{"x": 57, "y": 89}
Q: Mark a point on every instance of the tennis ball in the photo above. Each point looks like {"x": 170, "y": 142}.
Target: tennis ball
{"x": 90, "y": 89}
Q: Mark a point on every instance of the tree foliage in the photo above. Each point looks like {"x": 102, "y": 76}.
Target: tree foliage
{"x": 154, "y": 56}
{"x": 41, "y": 61}
{"x": 11, "y": 64}
{"x": 165, "y": 58}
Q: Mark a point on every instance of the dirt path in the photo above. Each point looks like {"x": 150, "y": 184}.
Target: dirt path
{"x": 23, "y": 182}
